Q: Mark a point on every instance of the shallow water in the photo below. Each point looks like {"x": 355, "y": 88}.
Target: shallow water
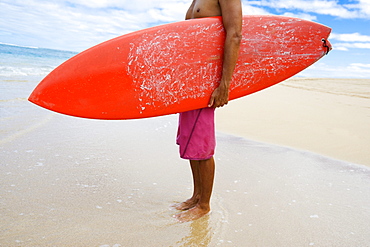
{"x": 78, "y": 182}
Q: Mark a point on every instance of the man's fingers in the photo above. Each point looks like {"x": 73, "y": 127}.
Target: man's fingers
{"x": 211, "y": 101}
{"x": 222, "y": 105}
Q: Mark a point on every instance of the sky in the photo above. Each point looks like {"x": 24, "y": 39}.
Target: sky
{"x": 76, "y": 25}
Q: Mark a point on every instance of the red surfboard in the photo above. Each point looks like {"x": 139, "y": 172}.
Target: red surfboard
{"x": 175, "y": 67}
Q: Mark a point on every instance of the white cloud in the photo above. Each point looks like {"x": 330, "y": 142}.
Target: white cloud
{"x": 360, "y": 65}
{"x": 341, "y": 46}
{"x": 363, "y": 6}
{"x": 350, "y": 37}
{"x": 324, "y": 7}
{"x": 323, "y": 70}
{"x": 301, "y": 15}
{"x": 248, "y": 9}
{"x": 362, "y": 70}
{"x": 77, "y": 25}
{"x": 130, "y": 5}
{"x": 350, "y": 41}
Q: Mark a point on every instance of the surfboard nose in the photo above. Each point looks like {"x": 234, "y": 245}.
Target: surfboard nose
{"x": 327, "y": 45}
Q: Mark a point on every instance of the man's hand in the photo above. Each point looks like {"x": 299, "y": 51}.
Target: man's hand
{"x": 219, "y": 97}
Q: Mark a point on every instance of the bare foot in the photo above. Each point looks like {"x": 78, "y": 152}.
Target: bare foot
{"x": 188, "y": 204}
{"x": 192, "y": 214}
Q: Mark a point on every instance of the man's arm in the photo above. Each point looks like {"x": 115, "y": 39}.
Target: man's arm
{"x": 190, "y": 10}
{"x": 232, "y": 20}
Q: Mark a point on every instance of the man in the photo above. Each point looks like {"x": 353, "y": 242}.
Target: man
{"x": 196, "y": 135}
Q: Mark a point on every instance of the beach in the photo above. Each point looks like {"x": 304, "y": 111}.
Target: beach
{"x": 76, "y": 182}
{"x": 325, "y": 116}
{"x": 292, "y": 169}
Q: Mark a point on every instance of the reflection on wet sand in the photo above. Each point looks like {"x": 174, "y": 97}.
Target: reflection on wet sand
{"x": 200, "y": 233}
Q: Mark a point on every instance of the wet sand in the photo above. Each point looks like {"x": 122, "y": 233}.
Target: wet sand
{"x": 75, "y": 182}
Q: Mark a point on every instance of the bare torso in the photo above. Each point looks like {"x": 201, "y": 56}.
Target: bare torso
{"x": 203, "y": 8}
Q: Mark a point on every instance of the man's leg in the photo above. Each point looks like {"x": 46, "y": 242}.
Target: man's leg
{"x": 204, "y": 170}
{"x": 191, "y": 202}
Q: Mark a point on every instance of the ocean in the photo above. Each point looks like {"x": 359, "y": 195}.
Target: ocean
{"x": 29, "y": 61}
{"x": 21, "y": 69}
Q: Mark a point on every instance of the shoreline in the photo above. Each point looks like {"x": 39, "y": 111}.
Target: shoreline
{"x": 330, "y": 117}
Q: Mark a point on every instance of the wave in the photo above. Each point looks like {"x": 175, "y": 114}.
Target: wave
{"x": 11, "y": 71}
{"x": 13, "y": 100}
{"x": 36, "y": 48}
{"x": 21, "y": 46}
{"x": 12, "y": 52}
{"x": 16, "y": 60}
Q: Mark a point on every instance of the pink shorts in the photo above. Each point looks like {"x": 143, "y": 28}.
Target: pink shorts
{"x": 196, "y": 134}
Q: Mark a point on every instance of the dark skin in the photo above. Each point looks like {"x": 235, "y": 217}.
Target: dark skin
{"x": 203, "y": 170}
{"x": 231, "y": 13}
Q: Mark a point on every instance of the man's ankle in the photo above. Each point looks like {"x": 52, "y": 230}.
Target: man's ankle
{"x": 204, "y": 206}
